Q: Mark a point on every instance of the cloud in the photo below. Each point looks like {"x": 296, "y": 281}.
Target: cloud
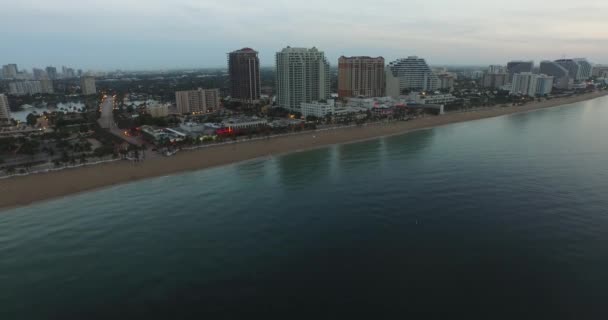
{"x": 200, "y": 32}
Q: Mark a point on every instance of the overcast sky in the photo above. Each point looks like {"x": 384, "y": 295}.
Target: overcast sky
{"x": 167, "y": 34}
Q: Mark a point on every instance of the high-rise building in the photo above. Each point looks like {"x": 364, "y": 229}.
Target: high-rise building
{"x": 574, "y": 69}
{"x": 446, "y": 80}
{"x": 198, "y": 101}
{"x": 585, "y": 68}
{"x": 21, "y": 88}
{"x": 39, "y": 74}
{"x": 68, "y": 73}
{"x": 561, "y": 75}
{"x": 495, "y": 80}
{"x": 519, "y": 66}
{"x": 361, "y": 77}
{"x": 529, "y": 84}
{"x": 244, "y": 72}
{"x": 544, "y": 84}
{"x": 412, "y": 74}
{"x": 5, "y": 111}
{"x": 10, "y": 71}
{"x": 494, "y": 69}
{"x": 46, "y": 86}
{"x": 87, "y": 85}
{"x": 51, "y": 72}
{"x": 302, "y": 75}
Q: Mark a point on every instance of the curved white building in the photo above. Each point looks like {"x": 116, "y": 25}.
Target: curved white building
{"x": 412, "y": 74}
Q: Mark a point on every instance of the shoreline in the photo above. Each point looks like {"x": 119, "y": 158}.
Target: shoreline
{"x": 34, "y": 188}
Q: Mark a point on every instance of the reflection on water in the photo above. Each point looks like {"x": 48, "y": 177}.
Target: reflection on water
{"x": 63, "y": 107}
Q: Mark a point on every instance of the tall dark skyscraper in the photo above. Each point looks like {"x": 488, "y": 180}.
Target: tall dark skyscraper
{"x": 514, "y": 67}
{"x": 244, "y": 71}
{"x": 52, "y": 73}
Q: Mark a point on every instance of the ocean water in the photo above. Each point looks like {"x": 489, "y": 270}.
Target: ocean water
{"x": 497, "y": 218}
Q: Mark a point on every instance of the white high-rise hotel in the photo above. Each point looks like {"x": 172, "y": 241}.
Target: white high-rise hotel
{"x": 529, "y": 84}
{"x": 302, "y": 77}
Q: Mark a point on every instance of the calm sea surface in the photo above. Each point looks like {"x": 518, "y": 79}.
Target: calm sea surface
{"x": 498, "y": 218}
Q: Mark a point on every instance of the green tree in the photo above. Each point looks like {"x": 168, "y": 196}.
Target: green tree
{"x": 31, "y": 119}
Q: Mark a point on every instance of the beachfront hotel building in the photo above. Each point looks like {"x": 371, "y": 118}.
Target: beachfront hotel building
{"x": 361, "y": 77}
{"x": 87, "y": 85}
{"x": 197, "y": 101}
{"x": 302, "y": 75}
{"x": 5, "y": 111}
{"x": 244, "y": 74}
{"x": 561, "y": 75}
{"x": 411, "y": 74}
{"x": 574, "y": 69}
{"x": 519, "y": 66}
{"x": 529, "y": 84}
{"x": 585, "y": 68}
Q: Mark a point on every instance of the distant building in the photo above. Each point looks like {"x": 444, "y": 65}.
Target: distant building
{"x": 5, "y": 111}
{"x": 21, "y": 88}
{"x": 585, "y": 68}
{"x": 317, "y": 109}
{"x": 494, "y": 69}
{"x": 529, "y": 84}
{"x": 361, "y": 77}
{"x": 410, "y": 74}
{"x": 198, "y": 101}
{"x": 599, "y": 70}
{"x": 46, "y": 86}
{"x": 158, "y": 110}
{"x": 561, "y": 75}
{"x": 519, "y": 66}
{"x": 68, "y": 73}
{"x": 494, "y": 80}
{"x": 573, "y": 67}
{"x": 244, "y": 72}
{"x": 39, "y": 74}
{"x": 10, "y": 71}
{"x": 302, "y": 75}
{"x": 446, "y": 80}
{"x": 87, "y": 85}
{"x": 51, "y": 72}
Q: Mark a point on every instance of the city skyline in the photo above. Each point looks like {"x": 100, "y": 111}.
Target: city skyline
{"x": 446, "y": 33}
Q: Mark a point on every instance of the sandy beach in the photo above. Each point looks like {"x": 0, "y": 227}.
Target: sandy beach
{"x": 24, "y": 190}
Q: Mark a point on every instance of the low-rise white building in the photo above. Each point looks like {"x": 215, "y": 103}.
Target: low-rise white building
{"x": 317, "y": 109}
{"x": 244, "y": 123}
{"x": 422, "y": 98}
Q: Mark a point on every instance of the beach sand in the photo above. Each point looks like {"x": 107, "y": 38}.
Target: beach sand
{"x": 24, "y": 190}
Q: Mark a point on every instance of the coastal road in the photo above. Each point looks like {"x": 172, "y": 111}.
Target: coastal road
{"x": 106, "y": 121}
